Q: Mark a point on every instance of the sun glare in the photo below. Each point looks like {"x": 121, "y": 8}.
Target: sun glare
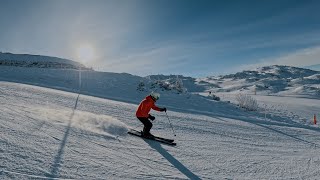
{"x": 85, "y": 53}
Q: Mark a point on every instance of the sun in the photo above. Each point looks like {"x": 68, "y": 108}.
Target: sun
{"x": 85, "y": 53}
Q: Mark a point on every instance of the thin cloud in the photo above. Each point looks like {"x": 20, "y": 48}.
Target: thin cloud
{"x": 152, "y": 59}
{"x": 306, "y": 57}
{"x": 300, "y": 58}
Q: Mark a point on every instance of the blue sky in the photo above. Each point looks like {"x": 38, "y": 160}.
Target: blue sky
{"x": 142, "y": 37}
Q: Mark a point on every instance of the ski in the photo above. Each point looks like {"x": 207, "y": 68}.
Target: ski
{"x": 155, "y": 138}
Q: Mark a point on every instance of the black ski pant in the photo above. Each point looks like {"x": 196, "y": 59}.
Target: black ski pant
{"x": 147, "y": 124}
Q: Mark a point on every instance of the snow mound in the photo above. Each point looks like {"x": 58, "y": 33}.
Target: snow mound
{"x": 299, "y": 89}
{"x": 315, "y": 76}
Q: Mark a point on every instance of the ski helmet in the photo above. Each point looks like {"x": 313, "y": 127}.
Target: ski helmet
{"x": 155, "y": 95}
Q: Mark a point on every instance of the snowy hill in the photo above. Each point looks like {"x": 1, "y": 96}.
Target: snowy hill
{"x": 26, "y": 60}
{"x": 276, "y": 80}
{"x": 52, "y": 134}
{"x": 315, "y": 67}
{"x": 188, "y": 83}
{"x": 72, "y": 124}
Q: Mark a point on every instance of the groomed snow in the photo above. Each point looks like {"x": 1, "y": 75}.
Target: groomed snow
{"x": 48, "y": 134}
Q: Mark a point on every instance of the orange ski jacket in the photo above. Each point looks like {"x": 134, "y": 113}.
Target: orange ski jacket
{"x": 145, "y": 107}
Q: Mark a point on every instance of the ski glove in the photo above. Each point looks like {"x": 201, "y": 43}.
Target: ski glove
{"x": 151, "y": 117}
{"x": 164, "y": 109}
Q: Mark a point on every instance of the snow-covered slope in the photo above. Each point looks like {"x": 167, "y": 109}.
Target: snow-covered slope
{"x": 116, "y": 86}
{"x": 275, "y": 80}
{"x": 92, "y": 82}
{"x": 66, "y": 133}
{"x": 49, "y": 134}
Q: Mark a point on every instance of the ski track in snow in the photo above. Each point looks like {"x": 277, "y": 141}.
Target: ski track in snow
{"x": 43, "y": 137}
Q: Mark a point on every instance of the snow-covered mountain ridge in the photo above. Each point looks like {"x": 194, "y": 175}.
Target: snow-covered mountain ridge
{"x": 38, "y": 61}
{"x": 269, "y": 80}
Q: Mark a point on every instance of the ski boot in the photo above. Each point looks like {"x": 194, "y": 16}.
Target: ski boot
{"x": 147, "y": 135}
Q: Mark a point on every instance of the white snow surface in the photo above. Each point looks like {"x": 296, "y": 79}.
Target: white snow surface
{"x": 54, "y": 134}
{"x": 269, "y": 80}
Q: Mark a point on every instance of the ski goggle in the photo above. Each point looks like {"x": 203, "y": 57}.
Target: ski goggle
{"x": 155, "y": 98}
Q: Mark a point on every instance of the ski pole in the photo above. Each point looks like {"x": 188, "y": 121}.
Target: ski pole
{"x": 171, "y": 125}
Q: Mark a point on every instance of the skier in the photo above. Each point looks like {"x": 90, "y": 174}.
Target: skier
{"x": 143, "y": 110}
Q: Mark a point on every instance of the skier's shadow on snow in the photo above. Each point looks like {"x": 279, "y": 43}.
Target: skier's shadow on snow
{"x": 184, "y": 170}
